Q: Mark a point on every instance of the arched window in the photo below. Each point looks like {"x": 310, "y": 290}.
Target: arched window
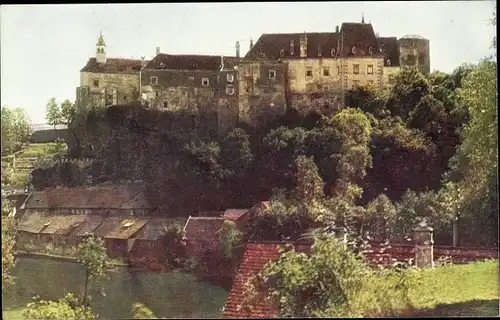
{"x": 370, "y": 50}
{"x": 332, "y": 52}
{"x": 353, "y": 50}
{"x": 389, "y": 62}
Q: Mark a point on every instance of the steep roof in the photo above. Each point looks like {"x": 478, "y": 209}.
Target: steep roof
{"x": 191, "y": 62}
{"x": 269, "y": 46}
{"x": 358, "y": 35}
{"x": 109, "y": 224}
{"x": 390, "y": 49}
{"x": 254, "y": 259}
{"x": 278, "y": 45}
{"x": 157, "y": 227}
{"x": 126, "y": 196}
{"x": 202, "y": 228}
{"x": 126, "y": 228}
{"x": 113, "y": 65}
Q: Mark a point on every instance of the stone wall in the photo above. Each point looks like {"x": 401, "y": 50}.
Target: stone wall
{"x": 262, "y": 87}
{"x": 415, "y": 52}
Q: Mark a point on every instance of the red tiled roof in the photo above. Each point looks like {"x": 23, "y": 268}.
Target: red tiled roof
{"x": 254, "y": 259}
{"x": 191, "y": 62}
{"x": 127, "y": 196}
{"x": 202, "y": 228}
{"x": 234, "y": 214}
{"x": 113, "y": 65}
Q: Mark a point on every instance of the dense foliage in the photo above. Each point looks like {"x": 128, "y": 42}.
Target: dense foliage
{"x": 16, "y": 129}
{"x": 67, "y": 308}
{"x": 386, "y": 142}
{"x": 8, "y": 243}
{"x": 60, "y": 114}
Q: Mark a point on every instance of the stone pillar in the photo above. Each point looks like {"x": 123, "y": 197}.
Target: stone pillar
{"x": 424, "y": 246}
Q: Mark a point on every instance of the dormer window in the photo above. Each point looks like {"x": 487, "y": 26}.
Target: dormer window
{"x": 353, "y": 50}
{"x": 272, "y": 74}
{"x": 332, "y": 52}
{"x": 153, "y": 80}
{"x": 230, "y": 90}
{"x": 282, "y": 53}
{"x": 162, "y": 65}
{"x": 370, "y": 50}
{"x": 320, "y": 51}
{"x": 205, "y": 82}
{"x": 292, "y": 47}
{"x": 230, "y": 78}
{"x": 389, "y": 63}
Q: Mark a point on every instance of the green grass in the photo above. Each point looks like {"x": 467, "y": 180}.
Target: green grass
{"x": 39, "y": 150}
{"x": 453, "y": 290}
{"x": 168, "y": 295}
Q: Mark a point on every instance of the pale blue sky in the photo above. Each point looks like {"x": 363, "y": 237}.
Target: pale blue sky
{"x": 43, "y": 47}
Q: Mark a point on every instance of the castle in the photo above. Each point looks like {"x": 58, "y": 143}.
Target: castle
{"x": 306, "y": 71}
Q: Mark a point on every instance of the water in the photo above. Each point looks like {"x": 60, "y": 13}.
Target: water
{"x": 168, "y": 295}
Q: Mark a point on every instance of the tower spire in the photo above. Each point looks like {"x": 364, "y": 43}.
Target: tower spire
{"x": 100, "y": 49}
{"x": 362, "y": 17}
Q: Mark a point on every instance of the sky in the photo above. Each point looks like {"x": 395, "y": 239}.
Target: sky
{"x": 43, "y": 47}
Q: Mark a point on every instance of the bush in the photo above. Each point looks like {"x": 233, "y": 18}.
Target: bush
{"x": 230, "y": 239}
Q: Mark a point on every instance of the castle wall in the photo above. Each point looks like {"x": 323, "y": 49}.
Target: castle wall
{"x": 262, "y": 87}
{"x": 112, "y": 88}
{"x": 415, "y": 52}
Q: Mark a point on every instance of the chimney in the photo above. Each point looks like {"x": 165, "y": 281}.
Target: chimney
{"x": 303, "y": 45}
{"x": 221, "y": 62}
{"x": 237, "y": 49}
{"x": 157, "y": 50}
{"x": 337, "y": 29}
{"x": 251, "y": 43}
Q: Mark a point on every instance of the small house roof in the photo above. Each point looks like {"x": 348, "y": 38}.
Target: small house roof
{"x": 126, "y": 228}
{"x": 234, "y": 214}
{"x": 202, "y": 228}
{"x": 113, "y": 65}
{"x": 63, "y": 225}
{"x": 191, "y": 62}
{"x": 88, "y": 225}
{"x": 33, "y": 222}
{"x": 156, "y": 227}
{"x": 105, "y": 196}
{"x": 108, "y": 224}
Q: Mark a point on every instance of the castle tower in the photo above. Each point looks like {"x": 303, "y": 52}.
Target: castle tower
{"x": 100, "y": 50}
{"x": 414, "y": 51}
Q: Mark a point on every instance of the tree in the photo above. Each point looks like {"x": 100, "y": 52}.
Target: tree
{"x": 8, "y": 243}
{"x": 140, "y": 311}
{"x": 66, "y": 308}
{"x": 309, "y": 185}
{"x": 236, "y": 152}
{"x": 53, "y": 113}
{"x": 16, "y": 129}
{"x": 230, "y": 238}
{"x": 68, "y": 111}
{"x": 410, "y": 86}
{"x": 92, "y": 255}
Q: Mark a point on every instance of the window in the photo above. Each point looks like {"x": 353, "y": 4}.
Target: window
{"x": 355, "y": 82}
{"x": 157, "y": 93}
{"x": 205, "y": 82}
{"x": 272, "y": 74}
{"x": 326, "y": 72}
{"x": 230, "y": 78}
{"x": 353, "y": 50}
{"x": 96, "y": 83}
{"x": 338, "y": 69}
{"x": 165, "y": 104}
{"x": 125, "y": 98}
{"x": 326, "y": 88}
{"x": 355, "y": 68}
{"x": 369, "y": 69}
{"x": 162, "y": 65}
{"x": 332, "y": 52}
{"x": 282, "y": 53}
{"x": 370, "y": 50}
{"x": 320, "y": 51}
{"x": 309, "y": 72}
{"x": 391, "y": 79}
{"x": 389, "y": 63}
{"x": 292, "y": 48}
{"x": 153, "y": 80}
{"x": 230, "y": 90}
